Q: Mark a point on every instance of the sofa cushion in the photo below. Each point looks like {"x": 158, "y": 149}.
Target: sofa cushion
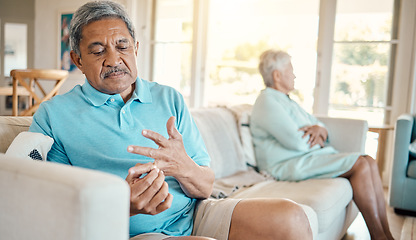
{"x": 411, "y": 169}
{"x": 327, "y": 197}
{"x": 219, "y": 130}
{"x": 10, "y": 127}
{"x": 31, "y": 146}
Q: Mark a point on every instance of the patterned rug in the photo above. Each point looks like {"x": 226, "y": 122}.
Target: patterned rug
{"x": 409, "y": 229}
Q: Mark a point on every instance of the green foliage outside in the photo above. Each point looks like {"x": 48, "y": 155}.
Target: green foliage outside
{"x": 360, "y": 73}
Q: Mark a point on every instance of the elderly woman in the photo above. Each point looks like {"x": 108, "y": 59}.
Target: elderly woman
{"x": 293, "y": 145}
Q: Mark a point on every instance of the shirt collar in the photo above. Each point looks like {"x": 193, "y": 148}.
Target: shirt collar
{"x": 97, "y": 98}
{"x": 278, "y": 94}
{"x": 142, "y": 91}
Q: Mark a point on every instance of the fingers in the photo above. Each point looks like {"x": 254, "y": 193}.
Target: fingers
{"x": 139, "y": 170}
{"x": 165, "y": 204}
{"x": 150, "y": 194}
{"x": 145, "y": 181}
{"x": 148, "y": 152}
{"x": 172, "y": 131}
{"x": 318, "y": 141}
{"x": 161, "y": 201}
{"x": 159, "y": 139}
{"x": 155, "y": 137}
{"x": 306, "y": 130}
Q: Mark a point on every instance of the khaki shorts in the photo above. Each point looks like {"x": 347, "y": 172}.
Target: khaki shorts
{"x": 212, "y": 218}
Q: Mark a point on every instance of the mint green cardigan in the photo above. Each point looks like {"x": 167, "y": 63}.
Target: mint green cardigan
{"x": 279, "y": 147}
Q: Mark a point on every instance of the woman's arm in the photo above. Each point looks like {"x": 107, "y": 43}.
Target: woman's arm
{"x": 274, "y": 119}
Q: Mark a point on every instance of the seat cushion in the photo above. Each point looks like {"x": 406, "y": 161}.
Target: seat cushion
{"x": 327, "y": 197}
{"x": 411, "y": 169}
{"x": 10, "y": 127}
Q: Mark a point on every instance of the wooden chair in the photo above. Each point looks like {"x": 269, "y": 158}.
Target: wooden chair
{"x": 21, "y": 91}
{"x": 29, "y": 79}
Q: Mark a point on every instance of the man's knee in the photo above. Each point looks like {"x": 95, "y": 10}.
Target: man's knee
{"x": 292, "y": 220}
{"x": 287, "y": 218}
{"x": 292, "y": 213}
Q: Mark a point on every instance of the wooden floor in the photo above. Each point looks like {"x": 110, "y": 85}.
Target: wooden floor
{"x": 358, "y": 229}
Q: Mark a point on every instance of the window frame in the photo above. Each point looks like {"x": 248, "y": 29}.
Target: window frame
{"x": 401, "y": 71}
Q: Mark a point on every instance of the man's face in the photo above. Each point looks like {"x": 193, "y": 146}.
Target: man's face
{"x": 108, "y": 56}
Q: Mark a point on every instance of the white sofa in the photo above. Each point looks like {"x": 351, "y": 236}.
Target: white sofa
{"x": 43, "y": 200}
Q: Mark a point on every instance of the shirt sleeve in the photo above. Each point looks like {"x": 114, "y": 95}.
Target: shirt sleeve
{"x": 42, "y": 124}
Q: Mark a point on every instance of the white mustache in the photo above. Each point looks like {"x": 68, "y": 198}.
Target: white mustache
{"x": 113, "y": 70}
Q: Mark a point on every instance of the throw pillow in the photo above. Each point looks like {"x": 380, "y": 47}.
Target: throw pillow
{"x": 246, "y": 138}
{"x": 30, "y": 145}
{"x": 412, "y": 149}
{"x": 242, "y": 113}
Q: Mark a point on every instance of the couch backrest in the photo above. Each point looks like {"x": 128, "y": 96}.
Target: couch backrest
{"x": 10, "y": 127}
{"x": 218, "y": 128}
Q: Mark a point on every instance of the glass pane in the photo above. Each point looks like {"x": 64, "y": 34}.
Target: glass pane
{"x": 360, "y": 66}
{"x": 237, "y": 37}
{"x": 359, "y": 80}
{"x": 172, "y": 66}
{"x": 369, "y": 20}
{"x": 15, "y": 52}
{"x": 174, "y": 19}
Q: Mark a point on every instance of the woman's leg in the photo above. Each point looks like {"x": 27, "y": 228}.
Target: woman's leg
{"x": 269, "y": 219}
{"x": 381, "y": 203}
{"x": 366, "y": 194}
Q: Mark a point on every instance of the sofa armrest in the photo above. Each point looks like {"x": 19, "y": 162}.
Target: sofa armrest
{"x": 44, "y": 200}
{"x": 402, "y": 139}
{"x": 346, "y": 135}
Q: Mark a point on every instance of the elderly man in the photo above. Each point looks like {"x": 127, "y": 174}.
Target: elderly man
{"x": 143, "y": 132}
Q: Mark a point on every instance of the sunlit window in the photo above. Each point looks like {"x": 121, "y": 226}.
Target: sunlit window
{"x": 238, "y": 35}
{"x": 172, "y": 44}
{"x": 360, "y": 67}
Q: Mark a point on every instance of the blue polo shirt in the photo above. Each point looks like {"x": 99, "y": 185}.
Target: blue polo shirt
{"x": 92, "y": 129}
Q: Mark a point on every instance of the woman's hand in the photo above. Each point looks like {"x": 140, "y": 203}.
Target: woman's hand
{"x": 316, "y": 133}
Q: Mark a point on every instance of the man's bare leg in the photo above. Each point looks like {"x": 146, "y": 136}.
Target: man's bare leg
{"x": 269, "y": 219}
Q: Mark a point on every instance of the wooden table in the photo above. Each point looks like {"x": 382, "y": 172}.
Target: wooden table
{"x": 381, "y": 146}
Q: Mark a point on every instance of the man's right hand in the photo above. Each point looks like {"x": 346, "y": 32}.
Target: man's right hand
{"x": 148, "y": 194}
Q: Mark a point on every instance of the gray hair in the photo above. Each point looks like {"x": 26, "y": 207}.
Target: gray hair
{"x": 94, "y": 11}
{"x": 271, "y": 60}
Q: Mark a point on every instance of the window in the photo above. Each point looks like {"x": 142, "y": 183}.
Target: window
{"x": 345, "y": 71}
{"x": 172, "y": 44}
{"x": 15, "y": 55}
{"x": 362, "y": 55}
{"x": 15, "y": 47}
{"x": 238, "y": 35}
